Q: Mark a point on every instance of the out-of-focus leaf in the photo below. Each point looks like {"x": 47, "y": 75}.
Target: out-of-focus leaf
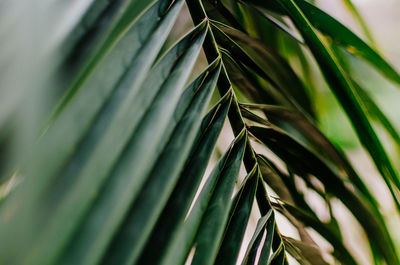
{"x": 63, "y": 138}
{"x": 115, "y": 200}
{"x": 285, "y": 185}
{"x": 345, "y": 93}
{"x": 241, "y": 209}
{"x": 304, "y": 253}
{"x": 97, "y": 33}
{"x": 173, "y": 216}
{"x": 247, "y": 81}
{"x": 371, "y": 106}
{"x": 57, "y": 27}
{"x": 145, "y": 142}
{"x": 269, "y": 66}
{"x": 377, "y": 114}
{"x": 303, "y": 162}
{"x": 336, "y": 31}
{"x": 357, "y": 16}
{"x": 288, "y": 192}
{"x": 217, "y": 11}
{"x": 286, "y": 118}
{"x": 276, "y": 20}
{"x": 279, "y": 182}
{"x": 64, "y": 31}
{"x": 225, "y": 172}
{"x": 271, "y": 63}
{"x": 333, "y": 237}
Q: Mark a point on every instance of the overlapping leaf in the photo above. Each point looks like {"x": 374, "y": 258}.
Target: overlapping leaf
{"x": 304, "y": 162}
{"x": 86, "y": 112}
{"x": 113, "y": 179}
{"x": 212, "y": 205}
{"x": 240, "y": 214}
{"x": 175, "y": 211}
{"x": 336, "y": 32}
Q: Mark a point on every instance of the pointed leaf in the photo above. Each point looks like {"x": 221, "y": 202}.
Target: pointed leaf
{"x": 255, "y": 241}
{"x": 61, "y": 140}
{"x": 304, "y": 162}
{"x": 286, "y": 118}
{"x": 304, "y": 253}
{"x": 142, "y": 150}
{"x": 173, "y": 216}
{"x": 345, "y": 93}
{"x": 137, "y": 226}
{"x": 234, "y": 234}
{"x": 265, "y": 62}
{"x": 226, "y": 169}
{"x": 336, "y": 31}
{"x": 210, "y": 233}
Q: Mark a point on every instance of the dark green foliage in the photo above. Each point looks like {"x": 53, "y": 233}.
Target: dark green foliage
{"x": 114, "y": 176}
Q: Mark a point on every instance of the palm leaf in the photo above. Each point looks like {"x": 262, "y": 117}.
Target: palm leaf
{"x": 109, "y": 154}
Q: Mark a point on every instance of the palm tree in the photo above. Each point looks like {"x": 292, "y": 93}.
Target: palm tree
{"x": 106, "y": 144}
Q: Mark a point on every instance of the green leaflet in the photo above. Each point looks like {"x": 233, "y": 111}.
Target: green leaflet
{"x": 345, "y": 37}
{"x": 264, "y": 206}
{"x": 274, "y": 22}
{"x": 136, "y": 99}
{"x": 217, "y": 11}
{"x": 216, "y": 216}
{"x": 358, "y": 18}
{"x": 102, "y": 27}
{"x": 278, "y": 258}
{"x": 173, "y": 216}
{"x": 241, "y": 77}
{"x": 63, "y": 137}
{"x": 240, "y": 213}
{"x": 287, "y": 119}
{"x": 304, "y": 253}
{"x": 277, "y": 180}
{"x": 134, "y": 232}
{"x": 377, "y": 114}
{"x": 271, "y": 63}
{"x": 372, "y": 108}
{"x": 145, "y": 142}
{"x": 273, "y": 250}
{"x": 267, "y": 249}
{"x": 288, "y": 193}
{"x": 116, "y": 198}
{"x": 271, "y": 71}
{"x": 340, "y": 251}
{"x": 48, "y": 46}
{"x": 216, "y": 187}
{"x": 114, "y": 56}
{"x": 264, "y": 225}
{"x": 304, "y": 162}
{"x": 346, "y": 94}
{"x": 335, "y": 31}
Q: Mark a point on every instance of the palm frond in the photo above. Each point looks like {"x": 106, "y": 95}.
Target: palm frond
{"x": 115, "y": 158}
